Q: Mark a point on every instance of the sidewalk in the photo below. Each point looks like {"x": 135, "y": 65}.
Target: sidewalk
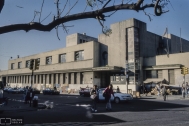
{"x": 169, "y": 97}
{"x": 71, "y": 94}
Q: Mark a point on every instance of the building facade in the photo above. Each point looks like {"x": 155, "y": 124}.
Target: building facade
{"x": 130, "y": 50}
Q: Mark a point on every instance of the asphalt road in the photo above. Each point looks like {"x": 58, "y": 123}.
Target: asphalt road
{"x": 74, "y": 110}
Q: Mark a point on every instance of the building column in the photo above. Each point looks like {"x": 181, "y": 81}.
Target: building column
{"x": 47, "y": 78}
{"x": 36, "y": 77}
{"x": 66, "y": 77}
{"x": 61, "y": 78}
{"x": 52, "y": 80}
{"x": 39, "y": 79}
{"x": 78, "y": 78}
{"x": 57, "y": 78}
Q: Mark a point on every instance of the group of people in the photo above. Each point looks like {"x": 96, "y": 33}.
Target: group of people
{"x": 107, "y": 94}
{"x": 28, "y": 95}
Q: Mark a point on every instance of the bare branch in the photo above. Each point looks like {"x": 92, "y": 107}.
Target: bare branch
{"x": 106, "y": 3}
{"x": 57, "y": 33}
{"x": 78, "y": 16}
{"x": 46, "y": 17}
{"x": 72, "y": 7}
{"x": 41, "y": 10}
{"x": 64, "y": 7}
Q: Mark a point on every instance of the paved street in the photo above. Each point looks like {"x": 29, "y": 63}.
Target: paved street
{"x": 74, "y": 110}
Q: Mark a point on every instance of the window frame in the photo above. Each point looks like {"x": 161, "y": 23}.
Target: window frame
{"x": 60, "y": 59}
{"x": 47, "y": 63}
{"x": 19, "y": 64}
{"x": 80, "y": 53}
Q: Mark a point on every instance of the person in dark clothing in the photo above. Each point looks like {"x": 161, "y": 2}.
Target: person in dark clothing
{"x": 55, "y": 88}
{"x": 164, "y": 92}
{"x": 108, "y": 91}
{"x": 31, "y": 95}
{"x": 94, "y": 94}
{"x": 26, "y": 97}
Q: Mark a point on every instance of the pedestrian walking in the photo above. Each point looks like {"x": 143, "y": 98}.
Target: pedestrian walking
{"x": 108, "y": 92}
{"x": 117, "y": 90}
{"x": 164, "y": 92}
{"x": 183, "y": 91}
{"x": 94, "y": 94}
{"x": 186, "y": 89}
{"x": 31, "y": 95}
{"x": 26, "y": 95}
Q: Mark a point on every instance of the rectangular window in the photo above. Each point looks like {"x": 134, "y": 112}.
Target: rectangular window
{"x": 62, "y": 58}
{"x": 171, "y": 75}
{"x": 75, "y": 78}
{"x": 81, "y": 78}
{"x": 49, "y": 60}
{"x": 69, "y": 78}
{"x": 159, "y": 73}
{"x": 64, "y": 78}
{"x": 12, "y": 66}
{"x": 27, "y": 63}
{"x": 34, "y": 79}
{"x": 38, "y": 60}
{"x": 19, "y": 65}
{"x": 42, "y": 79}
{"x": 80, "y": 40}
{"x": 54, "y": 77}
{"x": 28, "y": 79}
{"x": 38, "y": 79}
{"x": 49, "y": 78}
{"x": 151, "y": 74}
{"x": 131, "y": 79}
{"x": 58, "y": 78}
{"x": 79, "y": 55}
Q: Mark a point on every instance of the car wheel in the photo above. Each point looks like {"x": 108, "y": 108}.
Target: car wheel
{"x": 117, "y": 100}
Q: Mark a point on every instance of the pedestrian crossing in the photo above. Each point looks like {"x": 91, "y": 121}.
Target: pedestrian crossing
{"x": 73, "y": 124}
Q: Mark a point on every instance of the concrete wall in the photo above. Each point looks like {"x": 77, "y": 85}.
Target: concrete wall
{"x": 179, "y": 58}
{"x": 91, "y": 56}
{"x": 115, "y": 44}
{"x": 74, "y": 39}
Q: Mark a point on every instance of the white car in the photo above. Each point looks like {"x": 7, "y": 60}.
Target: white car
{"x": 118, "y": 96}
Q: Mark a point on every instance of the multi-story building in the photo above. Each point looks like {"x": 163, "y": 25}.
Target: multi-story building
{"x": 144, "y": 56}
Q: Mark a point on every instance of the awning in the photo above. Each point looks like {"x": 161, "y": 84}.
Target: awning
{"x": 107, "y": 68}
{"x": 161, "y": 67}
{"x": 153, "y": 80}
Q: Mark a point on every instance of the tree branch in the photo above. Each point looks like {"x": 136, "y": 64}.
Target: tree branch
{"x": 78, "y": 16}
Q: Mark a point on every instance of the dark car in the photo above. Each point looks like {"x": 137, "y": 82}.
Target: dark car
{"x": 35, "y": 91}
{"x": 51, "y": 92}
{"x": 84, "y": 91}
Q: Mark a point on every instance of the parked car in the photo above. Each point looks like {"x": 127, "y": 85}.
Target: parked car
{"x": 119, "y": 97}
{"x": 84, "y": 91}
{"x": 6, "y": 89}
{"x": 51, "y": 92}
{"x": 12, "y": 90}
{"x": 20, "y": 91}
{"x": 35, "y": 91}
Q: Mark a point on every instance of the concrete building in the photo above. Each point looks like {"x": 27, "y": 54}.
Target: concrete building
{"x": 144, "y": 56}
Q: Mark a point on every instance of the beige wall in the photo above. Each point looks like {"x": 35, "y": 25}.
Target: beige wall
{"x": 179, "y": 58}
{"x": 91, "y": 55}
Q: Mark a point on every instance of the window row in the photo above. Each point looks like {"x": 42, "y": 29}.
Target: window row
{"x": 50, "y": 79}
{"x": 79, "y": 55}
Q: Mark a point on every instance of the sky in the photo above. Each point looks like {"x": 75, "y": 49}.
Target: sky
{"x": 28, "y": 43}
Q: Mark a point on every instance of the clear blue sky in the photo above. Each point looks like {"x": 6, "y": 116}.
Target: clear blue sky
{"x": 33, "y": 42}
